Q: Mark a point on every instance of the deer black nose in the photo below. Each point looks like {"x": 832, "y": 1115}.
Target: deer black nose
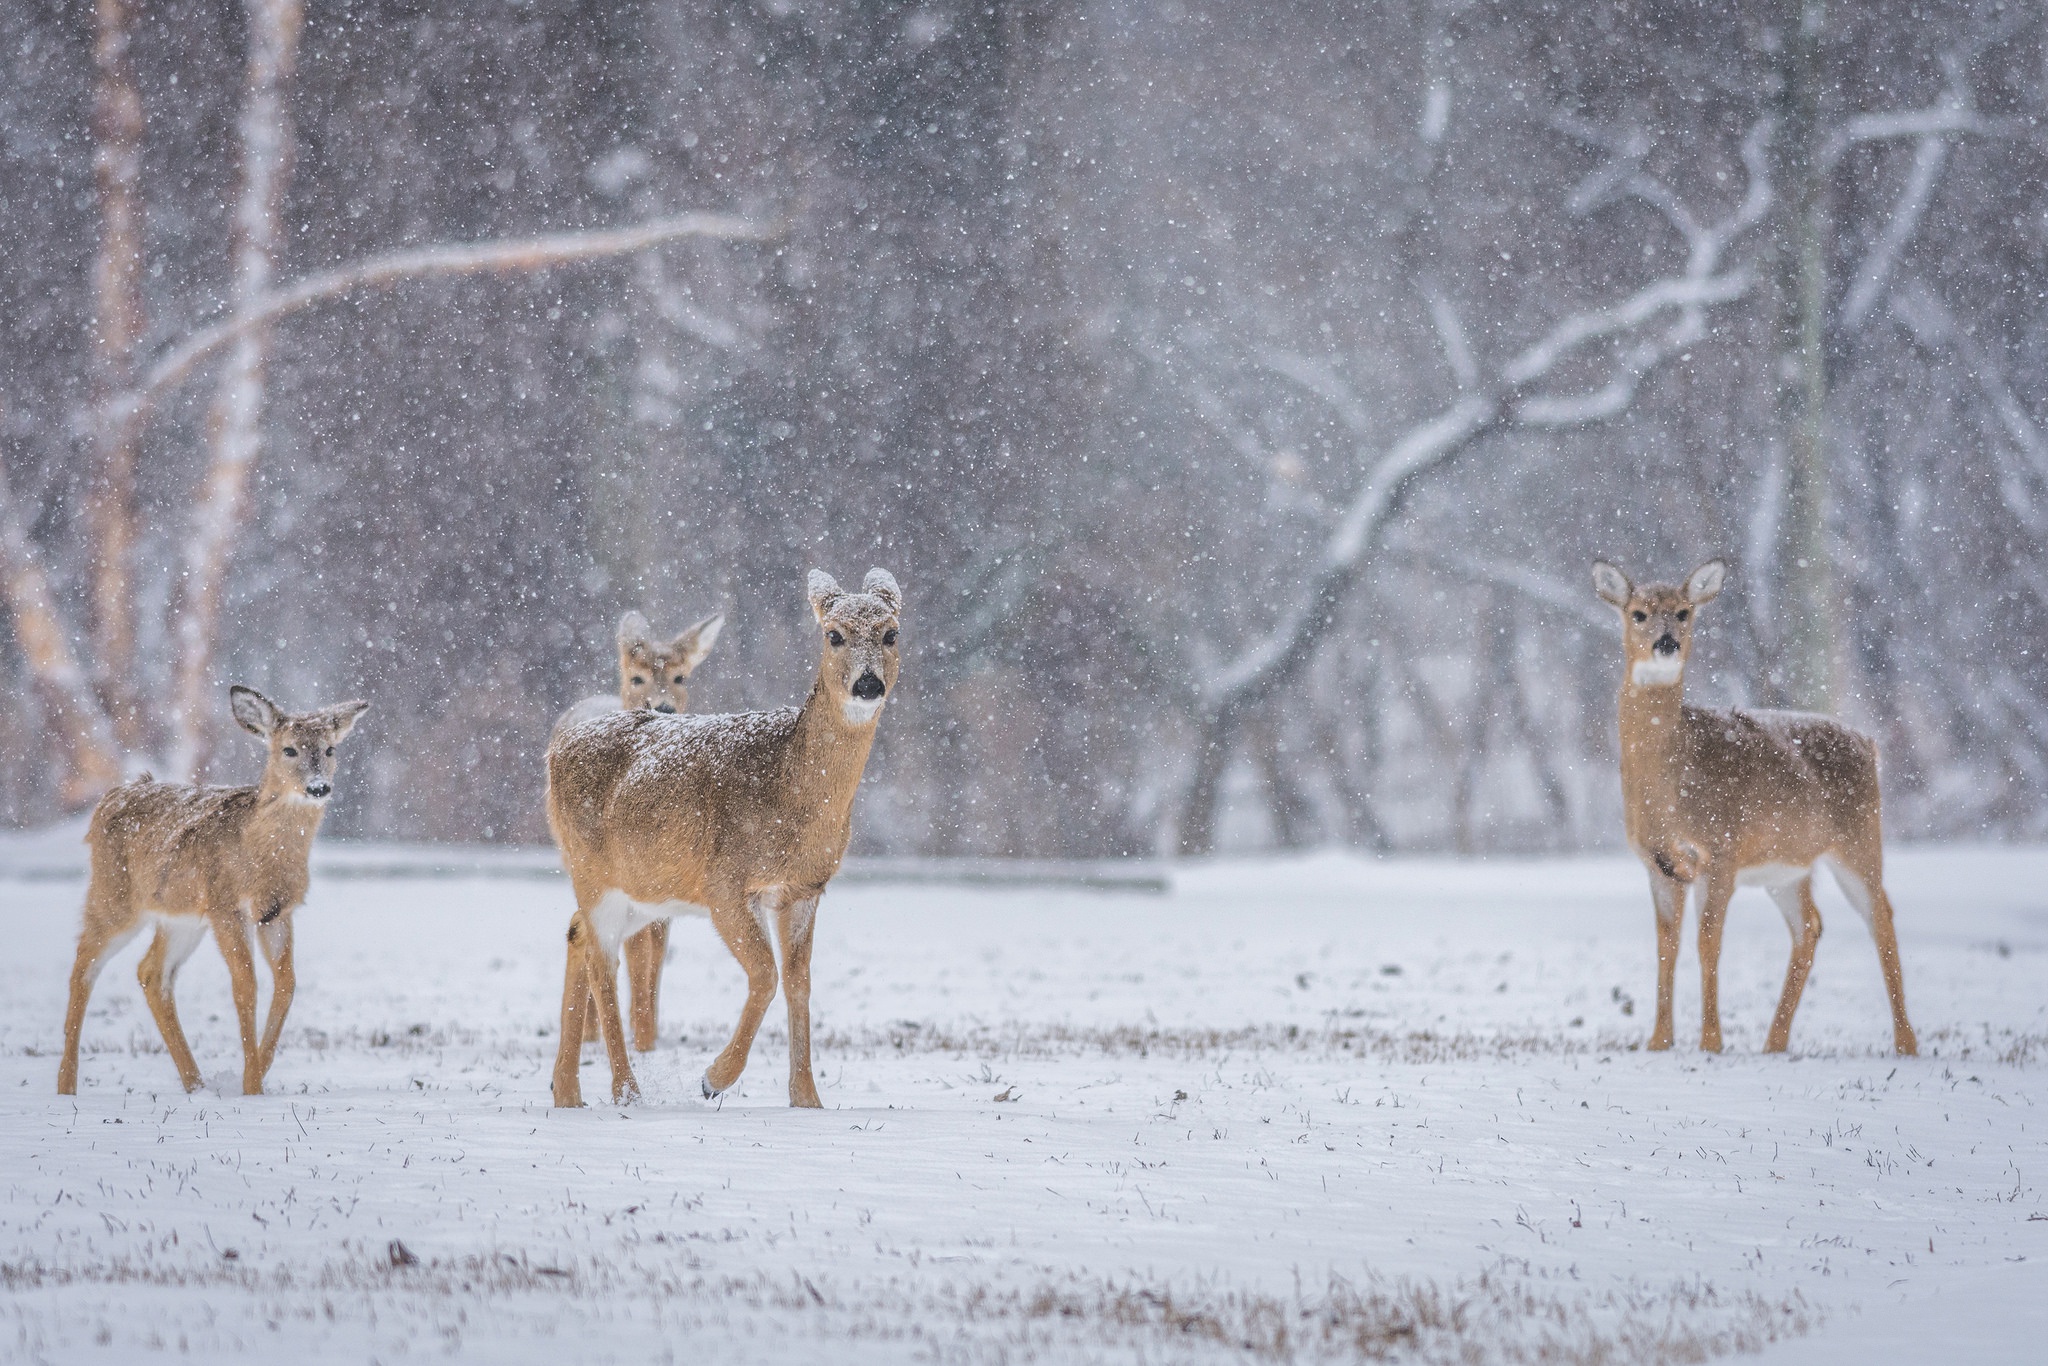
{"x": 666, "y": 708}
{"x": 868, "y": 687}
{"x": 1667, "y": 644}
{"x": 319, "y": 787}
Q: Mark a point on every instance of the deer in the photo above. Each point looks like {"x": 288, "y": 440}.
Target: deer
{"x": 652, "y": 675}
{"x": 1740, "y": 798}
{"x": 742, "y": 818}
{"x": 185, "y": 859}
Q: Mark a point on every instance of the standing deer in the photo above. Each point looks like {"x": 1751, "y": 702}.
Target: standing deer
{"x": 1735, "y": 798}
{"x": 742, "y": 818}
{"x": 185, "y": 859}
{"x": 651, "y": 676}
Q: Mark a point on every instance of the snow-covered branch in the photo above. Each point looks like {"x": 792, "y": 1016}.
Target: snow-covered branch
{"x": 1505, "y": 400}
{"x": 441, "y": 260}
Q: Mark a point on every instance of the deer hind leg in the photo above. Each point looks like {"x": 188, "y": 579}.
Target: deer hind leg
{"x": 1802, "y": 918}
{"x": 176, "y": 938}
{"x": 745, "y": 933}
{"x": 1862, "y": 882}
{"x": 1713, "y": 914}
{"x": 96, "y": 944}
{"x": 795, "y": 919}
{"x": 645, "y": 954}
{"x": 1668, "y": 894}
{"x": 604, "y": 926}
{"x": 578, "y": 1006}
{"x": 284, "y": 984}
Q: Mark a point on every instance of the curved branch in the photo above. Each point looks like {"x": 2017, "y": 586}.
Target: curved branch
{"x": 440, "y": 260}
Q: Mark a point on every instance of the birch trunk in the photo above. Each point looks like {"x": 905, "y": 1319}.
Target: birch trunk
{"x": 118, "y": 317}
{"x": 234, "y": 429}
{"x": 1803, "y": 672}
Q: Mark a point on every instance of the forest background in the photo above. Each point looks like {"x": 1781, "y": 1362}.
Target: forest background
{"x": 1239, "y": 391}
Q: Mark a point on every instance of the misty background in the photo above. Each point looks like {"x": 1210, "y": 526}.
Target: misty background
{"x": 1240, "y": 393}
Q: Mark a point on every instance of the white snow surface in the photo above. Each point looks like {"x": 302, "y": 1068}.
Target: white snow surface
{"x": 1403, "y": 1077}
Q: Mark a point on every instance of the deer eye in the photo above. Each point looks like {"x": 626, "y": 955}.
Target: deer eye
{"x": 679, "y": 678}
{"x": 889, "y": 636}
{"x": 290, "y": 753}
{"x": 1683, "y": 614}
{"x": 330, "y": 751}
{"x": 836, "y": 639}
{"x": 1640, "y": 616}
{"x": 638, "y": 680}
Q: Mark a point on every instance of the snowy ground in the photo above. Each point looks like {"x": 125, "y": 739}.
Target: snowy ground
{"x": 1303, "y": 1110}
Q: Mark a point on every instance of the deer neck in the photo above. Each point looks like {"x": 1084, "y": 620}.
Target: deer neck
{"x": 284, "y": 820}
{"x": 828, "y": 754}
{"x": 1651, "y": 719}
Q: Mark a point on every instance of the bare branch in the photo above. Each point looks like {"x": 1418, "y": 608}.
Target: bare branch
{"x": 1457, "y": 351}
{"x": 1875, "y": 270}
{"x": 441, "y": 260}
{"x": 1320, "y": 380}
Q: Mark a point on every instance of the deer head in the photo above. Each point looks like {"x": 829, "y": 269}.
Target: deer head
{"x": 858, "y": 663}
{"x": 1657, "y": 620}
{"x": 302, "y": 744}
{"x": 652, "y": 673}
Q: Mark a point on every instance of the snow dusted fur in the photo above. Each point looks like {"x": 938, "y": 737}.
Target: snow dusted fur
{"x": 1740, "y": 797}
{"x": 651, "y": 676}
{"x": 232, "y": 859}
{"x": 741, "y": 817}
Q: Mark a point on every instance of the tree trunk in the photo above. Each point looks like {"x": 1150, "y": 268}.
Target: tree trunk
{"x": 234, "y": 421}
{"x": 118, "y": 315}
{"x": 92, "y": 765}
{"x": 1803, "y": 674}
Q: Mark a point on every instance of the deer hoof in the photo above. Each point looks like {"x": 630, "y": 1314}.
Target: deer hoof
{"x": 704, "y": 1085}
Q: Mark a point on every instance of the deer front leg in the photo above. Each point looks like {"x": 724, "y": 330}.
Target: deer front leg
{"x": 231, "y": 933}
{"x": 744, "y": 934}
{"x": 1713, "y": 914}
{"x": 577, "y": 1008}
{"x": 645, "y": 953}
{"x": 795, "y": 920}
{"x": 284, "y": 984}
{"x": 1668, "y": 896}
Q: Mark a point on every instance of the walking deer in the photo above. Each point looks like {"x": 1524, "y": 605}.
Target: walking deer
{"x": 743, "y": 818}
{"x": 651, "y": 676}
{"x": 1738, "y": 798}
{"x": 185, "y": 859}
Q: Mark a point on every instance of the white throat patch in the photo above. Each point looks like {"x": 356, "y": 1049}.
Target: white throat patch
{"x": 859, "y": 711}
{"x": 1657, "y": 672}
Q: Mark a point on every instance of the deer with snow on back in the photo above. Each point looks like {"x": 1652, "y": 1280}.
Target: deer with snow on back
{"x": 743, "y": 818}
{"x": 652, "y": 676}
{"x": 185, "y": 859}
{"x": 1733, "y": 798}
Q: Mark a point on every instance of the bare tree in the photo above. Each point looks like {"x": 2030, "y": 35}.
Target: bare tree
{"x": 100, "y": 725}
{"x": 1641, "y": 331}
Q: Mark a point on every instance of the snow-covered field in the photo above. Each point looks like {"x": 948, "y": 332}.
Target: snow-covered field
{"x": 1324, "y": 1108}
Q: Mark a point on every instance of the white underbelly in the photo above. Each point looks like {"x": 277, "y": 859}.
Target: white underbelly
{"x": 1771, "y": 874}
{"x": 617, "y": 917}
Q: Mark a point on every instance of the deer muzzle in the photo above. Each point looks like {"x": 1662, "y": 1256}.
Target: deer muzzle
{"x": 319, "y": 788}
{"x": 869, "y": 686}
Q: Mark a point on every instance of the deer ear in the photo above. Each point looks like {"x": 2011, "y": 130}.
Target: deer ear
{"x": 635, "y": 635}
{"x": 343, "y": 717}
{"x": 882, "y": 584}
{"x": 692, "y": 645}
{"x": 253, "y": 711}
{"x": 1611, "y": 584}
{"x": 823, "y": 588}
{"x": 1705, "y": 583}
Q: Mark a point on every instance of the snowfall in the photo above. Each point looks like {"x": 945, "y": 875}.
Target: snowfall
{"x": 1317, "y": 1108}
